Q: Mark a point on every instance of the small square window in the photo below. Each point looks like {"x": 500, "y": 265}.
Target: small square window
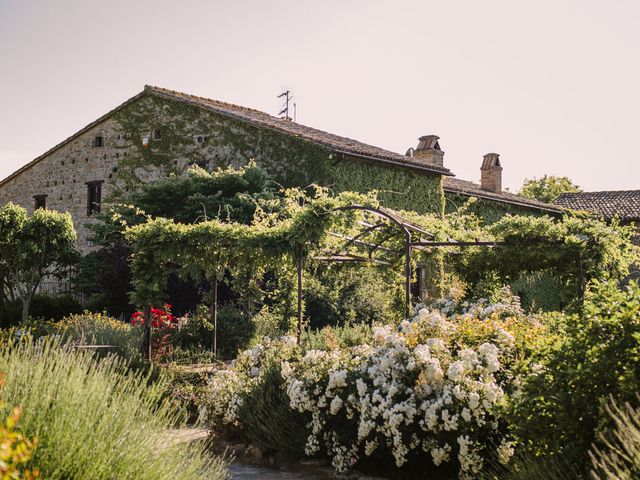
{"x": 156, "y": 135}
{"x": 40, "y": 201}
{"x": 98, "y": 141}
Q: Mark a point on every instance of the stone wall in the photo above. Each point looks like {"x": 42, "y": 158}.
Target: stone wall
{"x": 152, "y": 137}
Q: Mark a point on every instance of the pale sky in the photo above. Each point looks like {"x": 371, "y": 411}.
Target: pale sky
{"x": 553, "y": 86}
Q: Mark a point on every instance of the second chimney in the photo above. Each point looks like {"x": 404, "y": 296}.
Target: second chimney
{"x": 491, "y": 173}
{"x": 428, "y": 151}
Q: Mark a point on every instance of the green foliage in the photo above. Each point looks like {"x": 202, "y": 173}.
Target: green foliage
{"x": 99, "y": 329}
{"x": 486, "y": 210}
{"x": 214, "y": 247}
{"x": 533, "y": 468}
{"x": 42, "y": 306}
{"x": 547, "y": 188}
{"x": 228, "y": 194}
{"x": 32, "y": 248}
{"x": 568, "y": 248}
{"x": 16, "y": 449}
{"x": 267, "y": 418}
{"x": 541, "y": 291}
{"x": 347, "y": 294}
{"x": 235, "y": 330}
{"x": 104, "y": 278}
{"x": 185, "y": 390}
{"x": 331, "y": 338}
{"x": 619, "y": 456}
{"x": 591, "y": 356}
{"x": 96, "y": 420}
{"x": 395, "y": 187}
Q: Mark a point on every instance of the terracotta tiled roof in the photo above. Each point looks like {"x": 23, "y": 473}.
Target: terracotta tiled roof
{"x": 464, "y": 187}
{"x": 624, "y": 204}
{"x": 329, "y": 140}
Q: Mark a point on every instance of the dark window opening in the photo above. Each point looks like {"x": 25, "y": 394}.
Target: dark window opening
{"x": 98, "y": 142}
{"x": 40, "y": 201}
{"x": 94, "y": 197}
{"x": 156, "y": 135}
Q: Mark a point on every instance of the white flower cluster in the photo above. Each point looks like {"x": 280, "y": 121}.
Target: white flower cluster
{"x": 412, "y": 390}
{"x": 507, "y": 305}
{"x": 226, "y": 388}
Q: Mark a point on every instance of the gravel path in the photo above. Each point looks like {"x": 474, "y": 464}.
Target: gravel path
{"x": 241, "y": 471}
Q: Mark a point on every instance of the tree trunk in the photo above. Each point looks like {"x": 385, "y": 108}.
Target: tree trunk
{"x": 214, "y": 314}
{"x": 26, "y": 304}
{"x": 146, "y": 343}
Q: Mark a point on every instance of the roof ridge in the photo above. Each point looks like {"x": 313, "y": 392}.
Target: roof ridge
{"x": 600, "y": 192}
{"x": 154, "y": 88}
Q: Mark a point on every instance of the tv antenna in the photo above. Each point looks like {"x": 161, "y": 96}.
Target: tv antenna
{"x": 288, "y": 97}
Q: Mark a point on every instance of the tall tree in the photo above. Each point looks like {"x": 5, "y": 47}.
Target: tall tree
{"x": 547, "y": 188}
{"x": 33, "y": 248}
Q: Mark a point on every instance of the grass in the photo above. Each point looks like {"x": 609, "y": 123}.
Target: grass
{"x": 93, "y": 419}
{"x": 618, "y": 455}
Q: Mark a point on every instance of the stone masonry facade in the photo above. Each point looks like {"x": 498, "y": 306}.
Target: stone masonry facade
{"x": 161, "y": 132}
{"x": 151, "y": 136}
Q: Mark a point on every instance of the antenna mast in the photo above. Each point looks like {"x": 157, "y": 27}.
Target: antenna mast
{"x": 288, "y": 97}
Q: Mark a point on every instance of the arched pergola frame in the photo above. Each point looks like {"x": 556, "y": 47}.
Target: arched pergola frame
{"x": 409, "y": 231}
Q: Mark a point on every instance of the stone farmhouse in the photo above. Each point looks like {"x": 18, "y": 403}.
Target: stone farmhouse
{"x": 160, "y": 132}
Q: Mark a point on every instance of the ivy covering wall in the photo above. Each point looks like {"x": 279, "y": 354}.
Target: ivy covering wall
{"x": 225, "y": 141}
{"x": 487, "y": 210}
{"x": 397, "y": 188}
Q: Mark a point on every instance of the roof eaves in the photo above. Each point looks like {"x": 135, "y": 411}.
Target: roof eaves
{"x": 498, "y": 199}
{"x": 395, "y": 163}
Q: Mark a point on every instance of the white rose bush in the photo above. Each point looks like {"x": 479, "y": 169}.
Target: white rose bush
{"x": 414, "y": 391}
{"x": 427, "y": 392}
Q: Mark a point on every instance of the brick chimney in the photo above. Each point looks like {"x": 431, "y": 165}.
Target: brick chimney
{"x": 428, "y": 151}
{"x": 491, "y": 173}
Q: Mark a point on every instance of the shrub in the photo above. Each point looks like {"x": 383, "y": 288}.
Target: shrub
{"x": 330, "y": 338}
{"x": 163, "y": 326}
{"x": 228, "y": 387}
{"x": 94, "y": 420}
{"x": 15, "y": 448}
{"x": 619, "y": 456}
{"x": 98, "y": 329}
{"x": 267, "y": 418}
{"x": 589, "y": 357}
{"x": 235, "y": 330}
{"x": 195, "y": 331}
{"x": 435, "y": 385}
{"x": 42, "y": 306}
{"x": 417, "y": 389}
{"x": 542, "y": 291}
{"x": 185, "y": 389}
{"x": 336, "y": 295}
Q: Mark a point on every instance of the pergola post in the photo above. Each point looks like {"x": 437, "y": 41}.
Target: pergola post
{"x": 299, "y": 266}
{"x": 214, "y": 314}
{"x": 146, "y": 343}
{"x": 407, "y": 273}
